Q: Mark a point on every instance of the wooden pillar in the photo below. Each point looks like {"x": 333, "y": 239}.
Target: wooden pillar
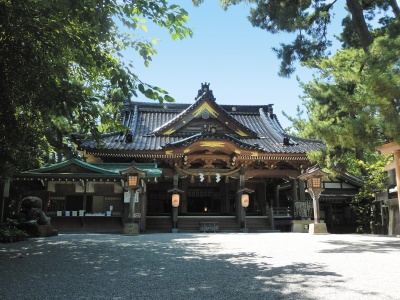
{"x": 262, "y": 198}
{"x": 238, "y": 205}
{"x": 84, "y": 194}
{"x": 302, "y": 194}
{"x": 183, "y": 202}
{"x": 224, "y": 190}
{"x": 143, "y": 206}
{"x": 293, "y": 190}
{"x": 276, "y": 196}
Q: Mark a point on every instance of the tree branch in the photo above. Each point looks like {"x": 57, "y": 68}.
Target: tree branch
{"x": 359, "y": 21}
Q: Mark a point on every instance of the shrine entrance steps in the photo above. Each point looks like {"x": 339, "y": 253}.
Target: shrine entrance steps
{"x": 187, "y": 224}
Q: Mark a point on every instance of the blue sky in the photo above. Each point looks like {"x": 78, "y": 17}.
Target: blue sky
{"x": 227, "y": 52}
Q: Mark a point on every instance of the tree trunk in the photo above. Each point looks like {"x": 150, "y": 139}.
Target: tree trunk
{"x": 359, "y": 153}
{"x": 395, "y": 8}
{"x": 359, "y": 21}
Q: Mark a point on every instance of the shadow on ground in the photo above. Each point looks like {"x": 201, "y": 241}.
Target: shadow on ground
{"x": 149, "y": 267}
{"x": 385, "y": 246}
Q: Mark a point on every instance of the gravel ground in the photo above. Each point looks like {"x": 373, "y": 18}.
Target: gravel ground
{"x": 202, "y": 266}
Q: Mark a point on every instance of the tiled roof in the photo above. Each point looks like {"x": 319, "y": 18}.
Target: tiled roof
{"x": 90, "y": 169}
{"x": 144, "y": 118}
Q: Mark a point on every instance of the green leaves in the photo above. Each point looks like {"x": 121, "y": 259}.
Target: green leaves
{"x": 60, "y": 68}
{"x": 155, "y": 93}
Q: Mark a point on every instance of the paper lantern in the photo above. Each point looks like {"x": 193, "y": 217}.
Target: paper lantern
{"x": 245, "y": 200}
{"x": 175, "y": 200}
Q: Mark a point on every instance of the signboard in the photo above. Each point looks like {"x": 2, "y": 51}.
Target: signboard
{"x": 127, "y": 197}
{"x": 381, "y": 196}
{"x": 137, "y": 215}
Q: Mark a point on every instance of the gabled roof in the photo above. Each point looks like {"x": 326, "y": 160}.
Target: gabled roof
{"x": 149, "y": 124}
{"x": 72, "y": 167}
{"x": 205, "y": 107}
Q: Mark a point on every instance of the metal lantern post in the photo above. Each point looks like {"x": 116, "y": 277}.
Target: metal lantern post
{"x": 313, "y": 176}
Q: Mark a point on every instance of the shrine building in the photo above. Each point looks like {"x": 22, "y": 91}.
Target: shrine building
{"x": 205, "y": 155}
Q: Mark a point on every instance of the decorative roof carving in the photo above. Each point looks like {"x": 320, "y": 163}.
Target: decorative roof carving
{"x": 157, "y": 130}
{"x": 204, "y": 108}
{"x": 205, "y": 92}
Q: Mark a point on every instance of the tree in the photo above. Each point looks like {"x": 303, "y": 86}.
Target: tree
{"x": 309, "y": 21}
{"x": 353, "y": 103}
{"x": 59, "y": 63}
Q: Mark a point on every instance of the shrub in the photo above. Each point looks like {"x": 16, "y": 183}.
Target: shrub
{"x": 10, "y": 234}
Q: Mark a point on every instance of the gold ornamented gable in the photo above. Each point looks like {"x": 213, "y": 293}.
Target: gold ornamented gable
{"x": 205, "y": 107}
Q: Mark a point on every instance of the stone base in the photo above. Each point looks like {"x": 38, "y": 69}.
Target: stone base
{"x": 131, "y": 229}
{"x": 319, "y": 228}
{"x": 175, "y": 230}
{"x": 244, "y": 230}
{"x": 35, "y": 230}
{"x": 46, "y": 230}
{"x": 302, "y": 225}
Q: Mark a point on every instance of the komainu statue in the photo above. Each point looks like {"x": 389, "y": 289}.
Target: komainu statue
{"x": 33, "y": 220}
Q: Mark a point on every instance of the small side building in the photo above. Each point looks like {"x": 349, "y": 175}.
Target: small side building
{"x": 389, "y": 200}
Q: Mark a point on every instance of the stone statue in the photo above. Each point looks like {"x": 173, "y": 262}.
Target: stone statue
{"x": 33, "y": 220}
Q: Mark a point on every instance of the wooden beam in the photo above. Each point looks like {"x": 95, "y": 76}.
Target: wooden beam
{"x": 389, "y": 148}
{"x": 272, "y": 173}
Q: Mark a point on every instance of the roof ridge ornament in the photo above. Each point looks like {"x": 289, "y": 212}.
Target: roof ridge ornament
{"x": 205, "y": 92}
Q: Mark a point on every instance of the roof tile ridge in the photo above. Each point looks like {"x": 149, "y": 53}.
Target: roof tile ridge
{"x": 174, "y": 119}
{"x": 278, "y": 136}
{"x": 298, "y": 138}
{"x": 135, "y": 120}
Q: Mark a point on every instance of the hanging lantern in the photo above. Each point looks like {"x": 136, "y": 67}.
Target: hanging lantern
{"x": 175, "y": 200}
{"x": 192, "y": 179}
{"x": 245, "y": 200}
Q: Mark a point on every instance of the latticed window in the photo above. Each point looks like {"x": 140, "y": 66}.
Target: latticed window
{"x": 56, "y": 204}
{"x": 115, "y": 203}
{"x": 65, "y": 188}
{"x": 104, "y": 188}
